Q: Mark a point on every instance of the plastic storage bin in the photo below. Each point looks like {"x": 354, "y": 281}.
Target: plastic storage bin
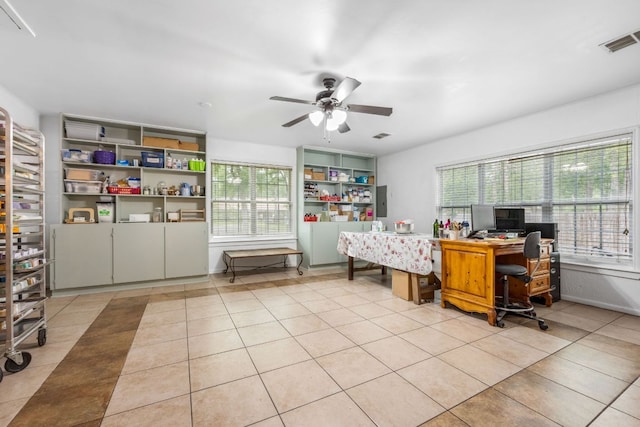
{"x": 80, "y": 156}
{"x": 82, "y": 174}
{"x": 74, "y": 186}
{"x": 152, "y": 160}
{"x": 82, "y": 130}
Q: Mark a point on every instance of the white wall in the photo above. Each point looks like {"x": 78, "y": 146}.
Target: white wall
{"x": 612, "y": 111}
{"x": 19, "y": 110}
{"x": 244, "y": 152}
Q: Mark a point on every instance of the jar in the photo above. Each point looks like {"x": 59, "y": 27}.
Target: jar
{"x": 157, "y": 215}
{"x": 146, "y": 190}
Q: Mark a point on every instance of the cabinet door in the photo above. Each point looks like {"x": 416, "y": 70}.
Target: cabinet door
{"x": 187, "y": 249}
{"x": 83, "y": 255}
{"x": 138, "y": 252}
{"x": 324, "y": 243}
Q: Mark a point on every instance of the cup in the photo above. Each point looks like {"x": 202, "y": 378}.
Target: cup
{"x": 454, "y": 234}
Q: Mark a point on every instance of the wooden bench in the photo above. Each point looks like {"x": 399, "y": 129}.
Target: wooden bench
{"x": 230, "y": 257}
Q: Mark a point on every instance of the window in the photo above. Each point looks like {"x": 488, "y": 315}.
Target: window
{"x": 250, "y": 200}
{"x": 586, "y": 188}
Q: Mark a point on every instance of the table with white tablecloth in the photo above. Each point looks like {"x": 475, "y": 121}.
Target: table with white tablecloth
{"x": 406, "y": 252}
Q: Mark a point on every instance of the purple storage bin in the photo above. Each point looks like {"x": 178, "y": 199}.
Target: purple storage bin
{"x": 104, "y": 157}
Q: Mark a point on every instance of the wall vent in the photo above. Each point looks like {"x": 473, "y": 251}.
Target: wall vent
{"x": 381, "y": 135}
{"x": 622, "y": 42}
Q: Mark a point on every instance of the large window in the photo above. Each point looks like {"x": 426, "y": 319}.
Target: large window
{"x": 586, "y": 188}
{"x": 250, "y": 200}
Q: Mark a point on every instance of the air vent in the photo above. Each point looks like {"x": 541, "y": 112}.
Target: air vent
{"x": 622, "y": 42}
{"x": 381, "y": 135}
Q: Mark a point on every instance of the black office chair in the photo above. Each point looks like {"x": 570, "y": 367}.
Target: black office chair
{"x": 503, "y": 305}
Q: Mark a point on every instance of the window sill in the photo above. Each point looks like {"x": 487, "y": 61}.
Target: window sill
{"x": 244, "y": 239}
{"x": 625, "y": 272}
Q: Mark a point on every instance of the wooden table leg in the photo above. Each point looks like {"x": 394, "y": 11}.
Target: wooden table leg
{"x": 350, "y": 268}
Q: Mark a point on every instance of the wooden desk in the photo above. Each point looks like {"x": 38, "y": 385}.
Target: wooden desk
{"x": 469, "y": 276}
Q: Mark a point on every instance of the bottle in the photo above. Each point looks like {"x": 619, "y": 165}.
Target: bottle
{"x": 169, "y": 161}
{"x": 436, "y": 228}
{"x": 177, "y": 164}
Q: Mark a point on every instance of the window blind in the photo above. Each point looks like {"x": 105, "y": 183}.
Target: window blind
{"x": 250, "y": 200}
{"x": 586, "y": 188}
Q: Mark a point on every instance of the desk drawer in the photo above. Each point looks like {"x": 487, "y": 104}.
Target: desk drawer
{"x": 539, "y": 284}
{"x": 545, "y": 251}
{"x": 542, "y": 269}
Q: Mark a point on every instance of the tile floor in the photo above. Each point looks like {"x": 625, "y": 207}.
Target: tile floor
{"x": 278, "y": 349}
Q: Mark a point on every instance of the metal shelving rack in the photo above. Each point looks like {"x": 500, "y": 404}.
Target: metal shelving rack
{"x": 22, "y": 241}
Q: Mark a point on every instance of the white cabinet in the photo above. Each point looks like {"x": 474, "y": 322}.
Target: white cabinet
{"x": 138, "y": 252}
{"x": 83, "y": 254}
{"x": 187, "y": 250}
{"x": 135, "y": 151}
{"x": 337, "y": 181}
{"x": 91, "y": 255}
{"x": 342, "y": 176}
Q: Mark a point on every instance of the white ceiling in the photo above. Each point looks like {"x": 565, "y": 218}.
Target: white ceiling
{"x": 445, "y": 67}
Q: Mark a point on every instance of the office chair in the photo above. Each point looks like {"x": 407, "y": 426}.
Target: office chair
{"x": 531, "y": 251}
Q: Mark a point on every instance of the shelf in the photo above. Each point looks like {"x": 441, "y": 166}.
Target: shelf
{"x": 23, "y": 290}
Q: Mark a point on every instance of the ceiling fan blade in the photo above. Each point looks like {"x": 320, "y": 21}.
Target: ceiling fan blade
{"x": 344, "y": 127}
{"x": 299, "y": 101}
{"x": 370, "y": 109}
{"x": 296, "y": 121}
{"x": 344, "y": 89}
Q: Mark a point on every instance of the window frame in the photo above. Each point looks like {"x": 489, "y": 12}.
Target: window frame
{"x": 252, "y": 201}
{"x": 546, "y": 209}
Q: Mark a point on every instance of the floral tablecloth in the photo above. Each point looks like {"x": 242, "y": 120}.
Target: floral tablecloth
{"x": 406, "y": 252}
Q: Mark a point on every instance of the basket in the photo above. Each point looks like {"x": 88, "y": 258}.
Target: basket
{"x": 123, "y": 190}
{"x": 362, "y": 179}
{"x": 104, "y": 157}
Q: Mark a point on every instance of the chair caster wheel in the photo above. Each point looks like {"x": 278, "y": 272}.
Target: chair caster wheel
{"x": 500, "y": 324}
{"x": 543, "y": 326}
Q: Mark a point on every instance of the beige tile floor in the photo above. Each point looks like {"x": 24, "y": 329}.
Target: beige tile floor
{"x": 275, "y": 349}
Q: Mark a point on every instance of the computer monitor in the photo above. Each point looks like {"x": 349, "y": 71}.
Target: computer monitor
{"x": 510, "y": 220}
{"x": 482, "y": 218}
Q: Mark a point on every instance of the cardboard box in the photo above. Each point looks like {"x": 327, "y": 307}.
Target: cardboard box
{"x": 369, "y": 214}
{"x": 318, "y": 176}
{"x": 152, "y": 141}
{"x": 308, "y": 174}
{"x": 188, "y": 146}
{"x": 372, "y": 180}
{"x": 401, "y": 285}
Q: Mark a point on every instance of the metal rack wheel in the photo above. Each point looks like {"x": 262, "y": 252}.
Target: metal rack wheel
{"x": 42, "y": 337}
{"x": 13, "y": 366}
{"x": 500, "y": 324}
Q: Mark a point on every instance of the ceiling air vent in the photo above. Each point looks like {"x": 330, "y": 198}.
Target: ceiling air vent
{"x": 622, "y": 42}
{"x": 381, "y": 135}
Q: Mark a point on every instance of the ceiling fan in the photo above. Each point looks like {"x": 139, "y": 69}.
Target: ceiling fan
{"x": 330, "y": 109}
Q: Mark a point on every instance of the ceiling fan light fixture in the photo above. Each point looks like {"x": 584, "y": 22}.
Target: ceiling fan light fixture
{"x": 339, "y": 115}
{"x": 332, "y": 124}
{"x": 316, "y": 117}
